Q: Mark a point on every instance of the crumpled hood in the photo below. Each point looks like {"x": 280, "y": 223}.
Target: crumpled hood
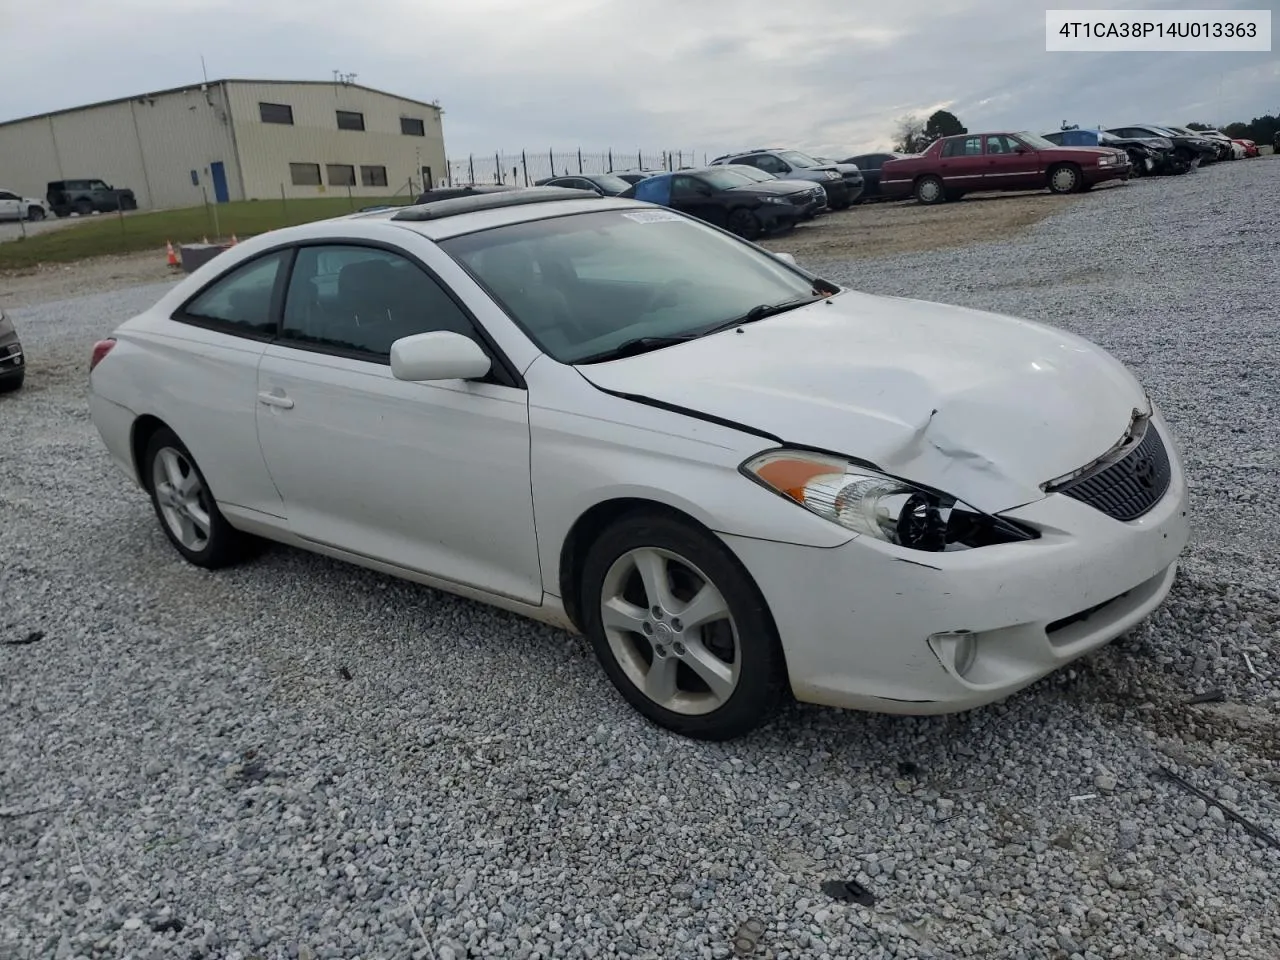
{"x": 982, "y": 406}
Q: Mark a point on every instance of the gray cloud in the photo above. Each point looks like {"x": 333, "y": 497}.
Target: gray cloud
{"x": 708, "y": 74}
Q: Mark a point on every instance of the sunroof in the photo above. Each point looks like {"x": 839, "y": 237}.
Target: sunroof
{"x": 457, "y": 206}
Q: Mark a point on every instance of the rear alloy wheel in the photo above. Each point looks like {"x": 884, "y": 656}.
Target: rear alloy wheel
{"x": 188, "y": 513}
{"x": 1065, "y": 179}
{"x": 929, "y": 190}
{"x": 35, "y": 213}
{"x": 680, "y": 629}
{"x": 744, "y": 223}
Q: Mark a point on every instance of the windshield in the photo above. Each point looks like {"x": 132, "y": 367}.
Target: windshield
{"x": 1035, "y": 140}
{"x": 583, "y": 284}
{"x": 724, "y": 179}
{"x": 798, "y": 159}
{"x": 609, "y": 183}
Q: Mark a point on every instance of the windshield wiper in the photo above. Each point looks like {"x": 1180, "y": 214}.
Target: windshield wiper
{"x": 637, "y": 345}
{"x": 763, "y": 310}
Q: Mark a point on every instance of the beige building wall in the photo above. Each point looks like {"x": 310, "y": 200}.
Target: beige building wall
{"x": 267, "y": 150}
{"x": 153, "y": 143}
{"x": 149, "y": 144}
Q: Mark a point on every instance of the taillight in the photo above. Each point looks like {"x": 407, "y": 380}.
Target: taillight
{"x": 100, "y": 350}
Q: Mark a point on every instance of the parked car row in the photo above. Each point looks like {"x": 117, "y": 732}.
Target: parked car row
{"x": 1064, "y": 161}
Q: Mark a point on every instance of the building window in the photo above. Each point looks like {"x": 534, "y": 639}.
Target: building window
{"x": 412, "y": 127}
{"x": 373, "y": 176}
{"x": 350, "y": 120}
{"x": 305, "y": 174}
{"x": 276, "y": 113}
{"x": 341, "y": 175}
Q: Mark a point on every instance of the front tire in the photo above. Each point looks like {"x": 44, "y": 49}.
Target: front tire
{"x": 929, "y": 190}
{"x": 680, "y": 628}
{"x": 10, "y": 384}
{"x": 1065, "y": 178}
{"x": 744, "y": 224}
{"x": 35, "y": 213}
{"x": 185, "y": 507}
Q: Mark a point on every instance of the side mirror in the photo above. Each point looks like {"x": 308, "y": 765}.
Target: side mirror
{"x": 786, "y": 258}
{"x": 1019, "y": 149}
{"x": 439, "y": 355}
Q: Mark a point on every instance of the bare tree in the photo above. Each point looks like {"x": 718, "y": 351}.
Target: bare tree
{"x": 909, "y": 137}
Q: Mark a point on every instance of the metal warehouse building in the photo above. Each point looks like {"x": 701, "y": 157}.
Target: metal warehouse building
{"x": 232, "y": 140}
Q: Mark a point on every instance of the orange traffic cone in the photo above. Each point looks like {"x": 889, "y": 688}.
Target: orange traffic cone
{"x": 171, "y": 256}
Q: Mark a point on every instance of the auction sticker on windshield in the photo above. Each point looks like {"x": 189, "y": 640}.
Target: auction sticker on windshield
{"x": 652, "y": 216}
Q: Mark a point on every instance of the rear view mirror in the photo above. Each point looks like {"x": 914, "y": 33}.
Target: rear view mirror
{"x": 439, "y": 355}
{"x": 786, "y": 258}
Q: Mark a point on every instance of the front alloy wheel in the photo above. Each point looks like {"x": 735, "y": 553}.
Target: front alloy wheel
{"x": 680, "y": 628}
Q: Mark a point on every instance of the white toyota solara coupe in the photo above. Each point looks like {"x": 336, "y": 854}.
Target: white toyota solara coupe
{"x": 736, "y": 478}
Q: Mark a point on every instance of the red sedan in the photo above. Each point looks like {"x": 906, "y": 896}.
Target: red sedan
{"x": 972, "y": 162}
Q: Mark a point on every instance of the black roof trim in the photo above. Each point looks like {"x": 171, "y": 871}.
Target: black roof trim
{"x": 456, "y": 206}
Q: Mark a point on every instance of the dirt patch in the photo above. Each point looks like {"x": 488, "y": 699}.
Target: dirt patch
{"x": 883, "y": 229}
{"x": 62, "y": 281}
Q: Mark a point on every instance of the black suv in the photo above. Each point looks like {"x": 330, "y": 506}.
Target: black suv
{"x": 86, "y": 196}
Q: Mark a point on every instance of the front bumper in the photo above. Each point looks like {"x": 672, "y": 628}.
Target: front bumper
{"x": 855, "y": 185}
{"x": 1118, "y": 171}
{"x": 837, "y": 192}
{"x": 13, "y": 362}
{"x": 856, "y": 620}
{"x": 778, "y": 217}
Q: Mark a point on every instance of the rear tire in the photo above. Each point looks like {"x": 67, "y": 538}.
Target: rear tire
{"x": 716, "y": 674}
{"x": 185, "y": 507}
{"x": 744, "y": 224}
{"x": 929, "y": 190}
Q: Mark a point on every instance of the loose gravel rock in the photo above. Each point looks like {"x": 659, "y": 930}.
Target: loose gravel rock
{"x": 299, "y": 758}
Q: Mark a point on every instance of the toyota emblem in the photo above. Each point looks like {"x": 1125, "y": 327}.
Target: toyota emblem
{"x": 1144, "y": 471}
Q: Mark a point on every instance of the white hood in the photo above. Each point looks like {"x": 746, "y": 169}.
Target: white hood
{"x": 985, "y": 407}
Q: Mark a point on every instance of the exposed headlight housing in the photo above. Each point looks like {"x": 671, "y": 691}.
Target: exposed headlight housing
{"x": 875, "y": 505}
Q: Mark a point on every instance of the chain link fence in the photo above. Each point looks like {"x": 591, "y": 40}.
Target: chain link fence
{"x": 529, "y": 166}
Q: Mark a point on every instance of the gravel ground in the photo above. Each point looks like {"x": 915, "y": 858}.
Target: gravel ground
{"x": 302, "y": 759}
{"x": 63, "y": 281}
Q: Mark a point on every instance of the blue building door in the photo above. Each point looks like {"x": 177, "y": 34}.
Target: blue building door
{"x": 219, "y": 174}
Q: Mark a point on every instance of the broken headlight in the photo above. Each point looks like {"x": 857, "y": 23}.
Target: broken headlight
{"x": 879, "y": 506}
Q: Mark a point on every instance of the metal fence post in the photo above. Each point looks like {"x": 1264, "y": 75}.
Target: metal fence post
{"x": 579, "y": 159}
{"x": 639, "y": 160}
{"x": 611, "y": 159}
{"x": 497, "y": 167}
{"x": 552, "y": 157}
{"x": 471, "y": 162}
{"x": 524, "y": 164}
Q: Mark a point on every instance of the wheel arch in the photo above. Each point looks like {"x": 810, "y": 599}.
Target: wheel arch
{"x": 599, "y": 517}
{"x": 144, "y": 428}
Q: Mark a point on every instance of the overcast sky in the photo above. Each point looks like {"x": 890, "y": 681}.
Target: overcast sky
{"x": 831, "y": 76}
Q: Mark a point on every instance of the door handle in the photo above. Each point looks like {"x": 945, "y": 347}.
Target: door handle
{"x": 276, "y": 400}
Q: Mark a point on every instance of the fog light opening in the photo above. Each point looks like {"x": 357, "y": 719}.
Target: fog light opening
{"x": 957, "y": 649}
